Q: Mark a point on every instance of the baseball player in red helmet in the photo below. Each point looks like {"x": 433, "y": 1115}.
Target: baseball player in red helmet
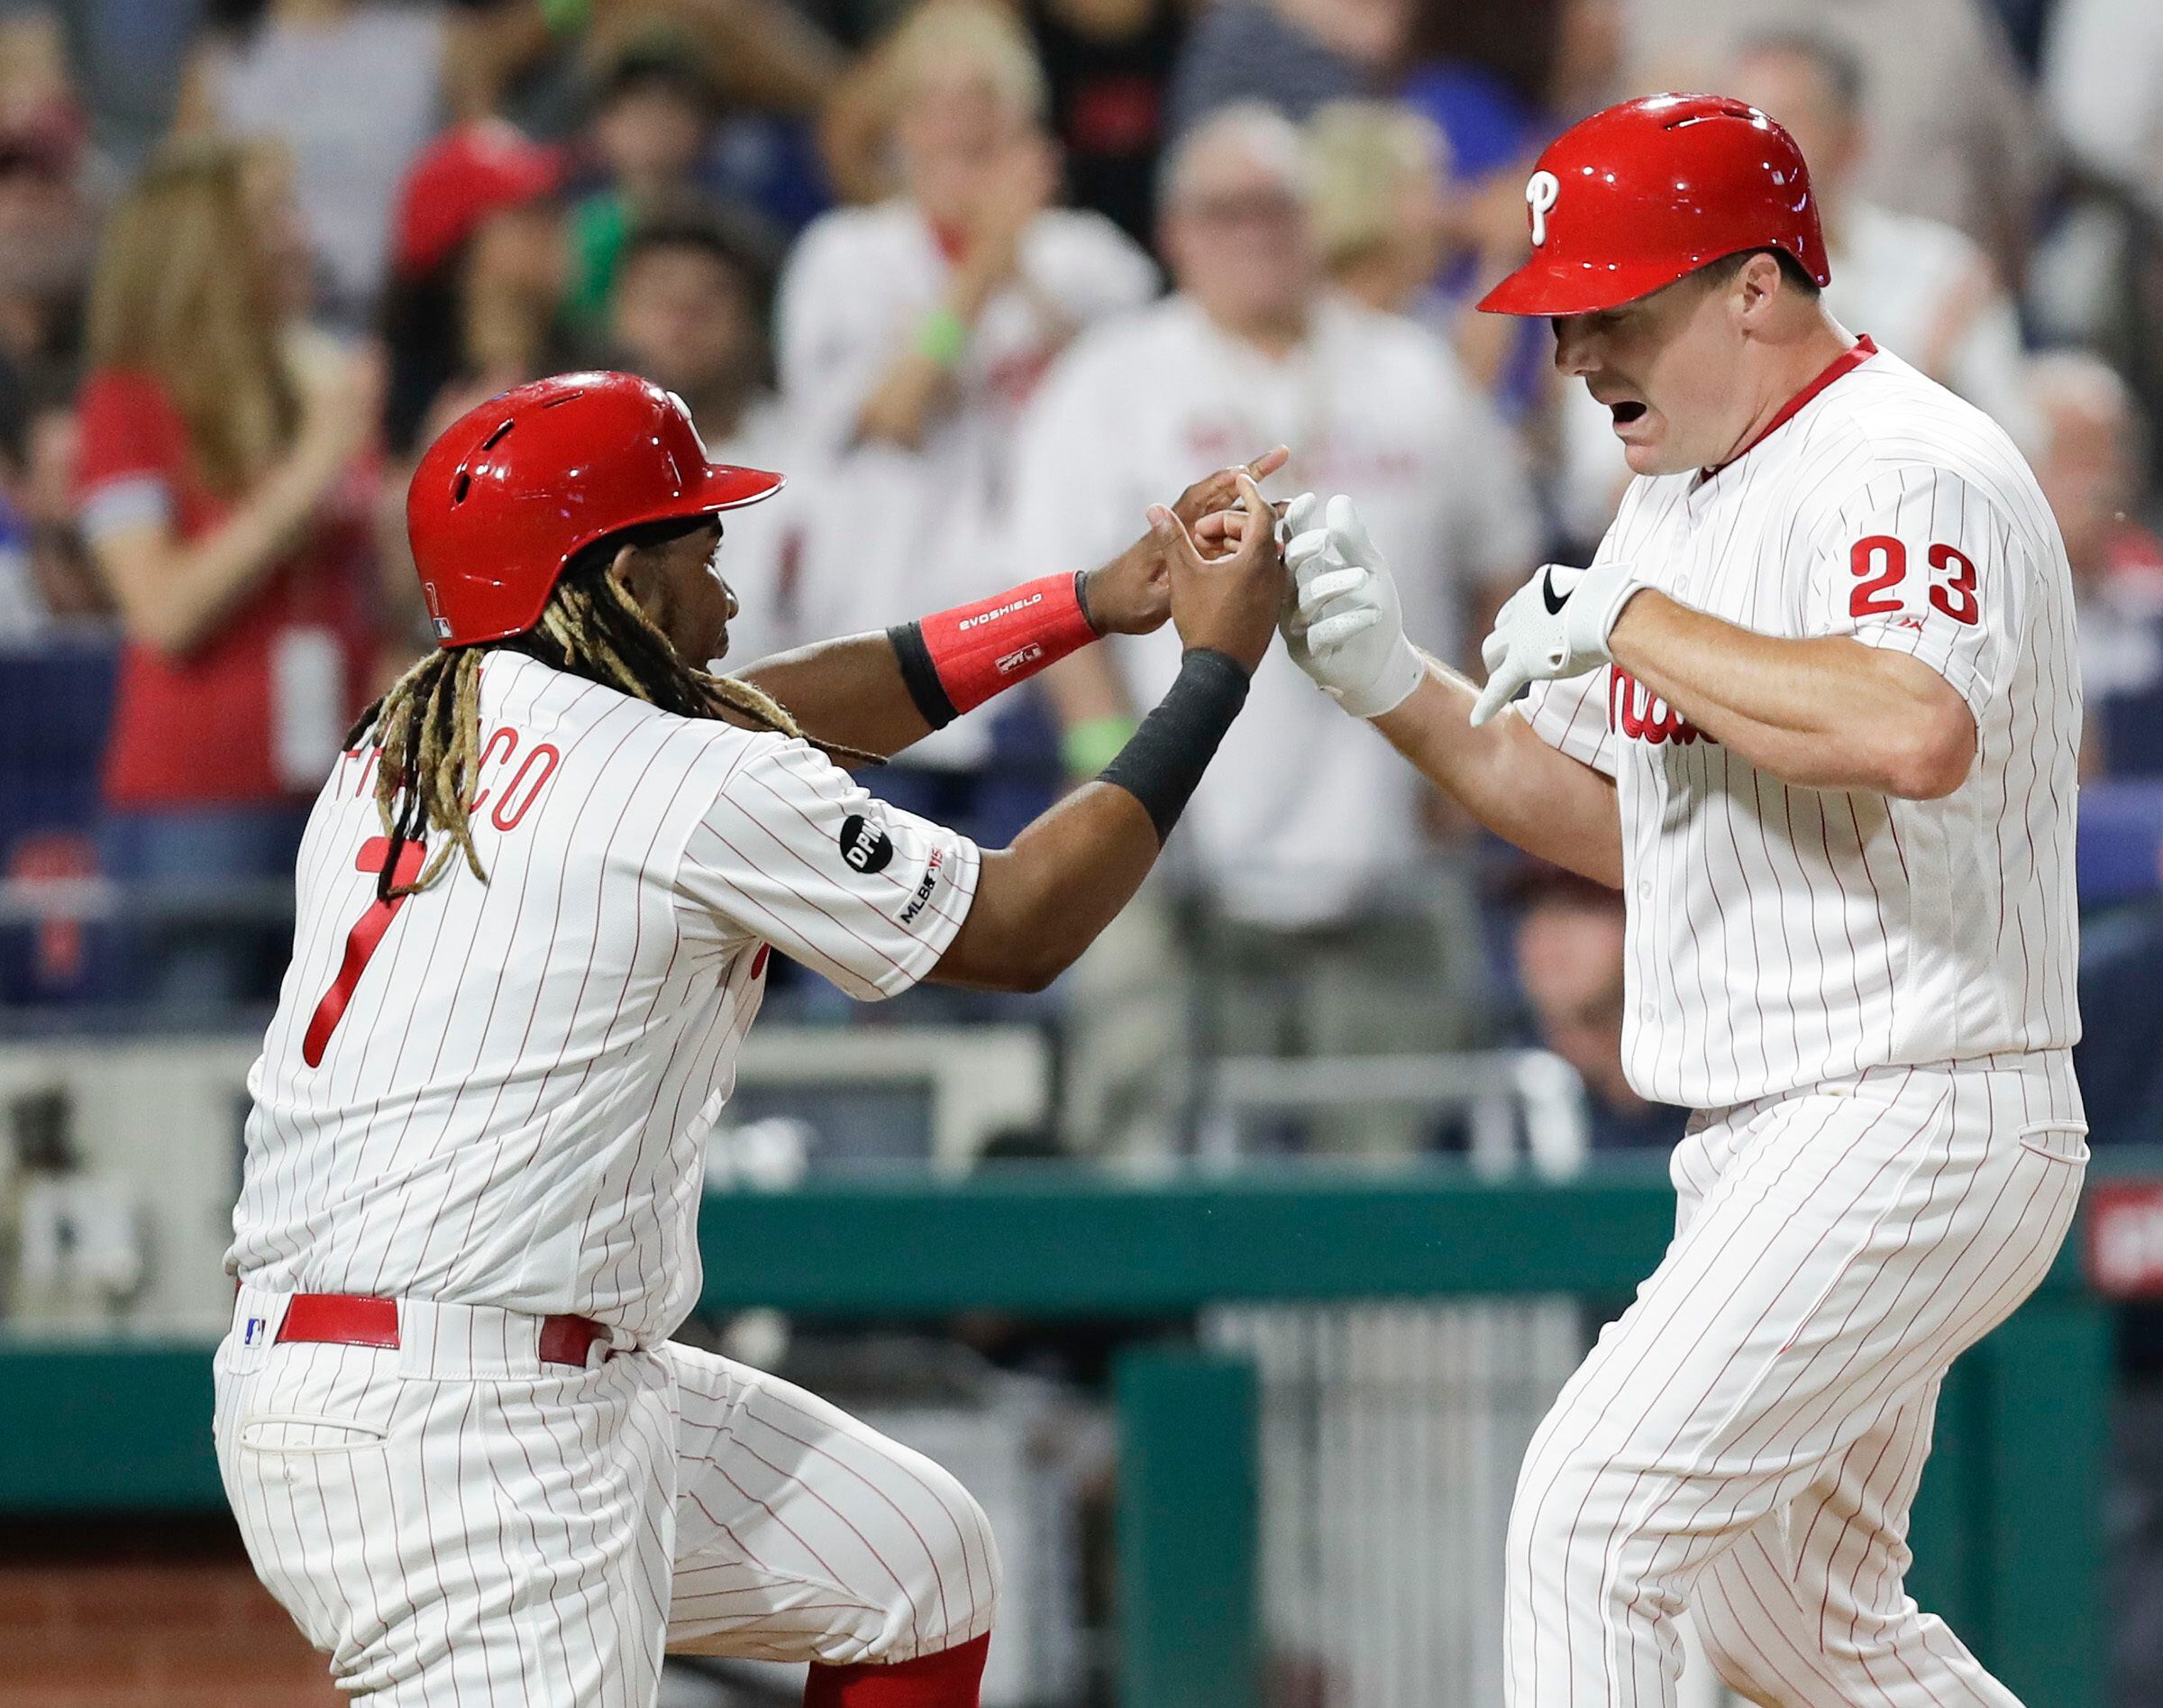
{"x": 536, "y": 900}
{"x": 1813, "y": 708}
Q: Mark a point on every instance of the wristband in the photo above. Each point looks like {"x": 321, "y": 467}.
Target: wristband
{"x": 943, "y": 338}
{"x": 1161, "y": 766}
{"x": 952, "y": 662}
{"x": 1089, "y": 745}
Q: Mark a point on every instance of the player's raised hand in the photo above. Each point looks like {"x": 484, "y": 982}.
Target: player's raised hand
{"x": 1132, "y": 594}
{"x": 1344, "y": 624}
{"x": 1229, "y": 604}
{"x": 1554, "y": 626}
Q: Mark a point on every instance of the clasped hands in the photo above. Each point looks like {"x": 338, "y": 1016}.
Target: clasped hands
{"x": 1341, "y": 619}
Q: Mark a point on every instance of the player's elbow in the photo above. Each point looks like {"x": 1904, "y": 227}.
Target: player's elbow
{"x": 1933, "y": 752}
{"x": 1030, "y": 972}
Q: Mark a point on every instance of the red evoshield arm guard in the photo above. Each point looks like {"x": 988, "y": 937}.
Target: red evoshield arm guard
{"x": 979, "y": 650}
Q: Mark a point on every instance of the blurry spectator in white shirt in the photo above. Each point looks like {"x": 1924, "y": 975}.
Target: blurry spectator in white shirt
{"x": 1303, "y": 847}
{"x": 354, "y": 88}
{"x": 912, "y": 332}
{"x": 1920, "y": 287}
{"x": 1954, "y": 131}
{"x": 2103, "y": 87}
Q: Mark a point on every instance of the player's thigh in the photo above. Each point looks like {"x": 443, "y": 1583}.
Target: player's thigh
{"x": 1853, "y": 1242}
{"x": 472, "y": 1535}
{"x": 803, "y": 1534}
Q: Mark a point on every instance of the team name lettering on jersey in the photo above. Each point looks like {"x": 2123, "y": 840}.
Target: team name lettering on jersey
{"x": 1634, "y": 711}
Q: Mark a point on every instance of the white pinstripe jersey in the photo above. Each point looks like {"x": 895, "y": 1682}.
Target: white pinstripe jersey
{"x": 1781, "y": 937}
{"x": 508, "y": 1103}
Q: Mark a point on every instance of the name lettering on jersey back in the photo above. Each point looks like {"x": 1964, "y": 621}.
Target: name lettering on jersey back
{"x": 1640, "y": 715}
{"x": 527, "y": 775}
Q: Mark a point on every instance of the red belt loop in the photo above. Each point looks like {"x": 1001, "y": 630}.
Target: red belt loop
{"x": 352, "y": 1319}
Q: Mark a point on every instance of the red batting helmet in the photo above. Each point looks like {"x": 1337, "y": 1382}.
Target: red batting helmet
{"x": 1633, "y": 199}
{"x": 515, "y": 486}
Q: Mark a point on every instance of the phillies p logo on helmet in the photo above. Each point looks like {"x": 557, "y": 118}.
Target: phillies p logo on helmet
{"x": 1542, "y": 191}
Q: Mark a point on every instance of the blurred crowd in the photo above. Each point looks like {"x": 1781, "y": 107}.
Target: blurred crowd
{"x": 984, "y": 277}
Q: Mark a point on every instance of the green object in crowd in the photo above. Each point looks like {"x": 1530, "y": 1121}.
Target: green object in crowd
{"x": 1092, "y": 743}
{"x": 599, "y": 226}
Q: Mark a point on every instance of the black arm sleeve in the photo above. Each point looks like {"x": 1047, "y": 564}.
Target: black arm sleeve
{"x": 1163, "y": 761}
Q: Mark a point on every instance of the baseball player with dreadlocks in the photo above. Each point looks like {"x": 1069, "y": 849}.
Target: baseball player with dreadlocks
{"x": 536, "y": 900}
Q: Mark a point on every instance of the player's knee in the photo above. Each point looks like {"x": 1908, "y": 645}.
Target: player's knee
{"x": 952, "y": 1596}
{"x": 1565, "y": 1527}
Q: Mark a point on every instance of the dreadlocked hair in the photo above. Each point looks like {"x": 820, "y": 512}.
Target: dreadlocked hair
{"x": 427, "y": 726}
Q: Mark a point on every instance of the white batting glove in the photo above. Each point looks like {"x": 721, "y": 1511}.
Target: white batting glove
{"x": 1554, "y": 626}
{"x": 1342, "y": 623}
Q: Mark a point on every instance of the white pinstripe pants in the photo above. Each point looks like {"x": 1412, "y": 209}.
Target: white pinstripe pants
{"x": 1746, "y": 1438}
{"x": 461, "y": 1527}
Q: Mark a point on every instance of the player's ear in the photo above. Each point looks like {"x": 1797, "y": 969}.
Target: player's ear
{"x": 1757, "y": 283}
{"x": 636, "y": 577}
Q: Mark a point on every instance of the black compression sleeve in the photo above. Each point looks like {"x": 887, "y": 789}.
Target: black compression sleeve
{"x": 921, "y": 676}
{"x": 1164, "y": 760}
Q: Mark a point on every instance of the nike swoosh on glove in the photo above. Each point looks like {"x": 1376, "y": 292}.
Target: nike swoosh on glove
{"x": 1554, "y": 626}
{"x": 1342, "y": 623}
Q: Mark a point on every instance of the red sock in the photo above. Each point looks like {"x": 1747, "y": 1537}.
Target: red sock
{"x": 948, "y": 1679}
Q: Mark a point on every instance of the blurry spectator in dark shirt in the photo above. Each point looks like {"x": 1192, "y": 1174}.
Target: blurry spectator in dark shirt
{"x": 652, "y": 123}
{"x": 1294, "y": 55}
{"x": 1502, "y": 78}
{"x": 46, "y": 576}
{"x": 480, "y": 257}
{"x": 224, "y": 482}
{"x": 2089, "y": 465}
{"x": 47, "y": 233}
{"x": 47, "y": 198}
{"x": 1109, "y": 66}
{"x": 690, "y": 314}
{"x": 1381, "y": 200}
{"x": 1569, "y": 964}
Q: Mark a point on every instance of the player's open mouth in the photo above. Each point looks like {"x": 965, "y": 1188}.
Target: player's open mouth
{"x": 1626, "y": 413}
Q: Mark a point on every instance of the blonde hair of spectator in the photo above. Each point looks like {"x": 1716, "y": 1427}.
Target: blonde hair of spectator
{"x": 1253, "y": 128}
{"x": 177, "y": 295}
{"x": 428, "y": 725}
{"x": 1363, "y": 153}
{"x": 941, "y": 36}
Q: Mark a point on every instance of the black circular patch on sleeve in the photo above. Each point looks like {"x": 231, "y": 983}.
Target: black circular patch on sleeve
{"x": 863, "y": 846}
